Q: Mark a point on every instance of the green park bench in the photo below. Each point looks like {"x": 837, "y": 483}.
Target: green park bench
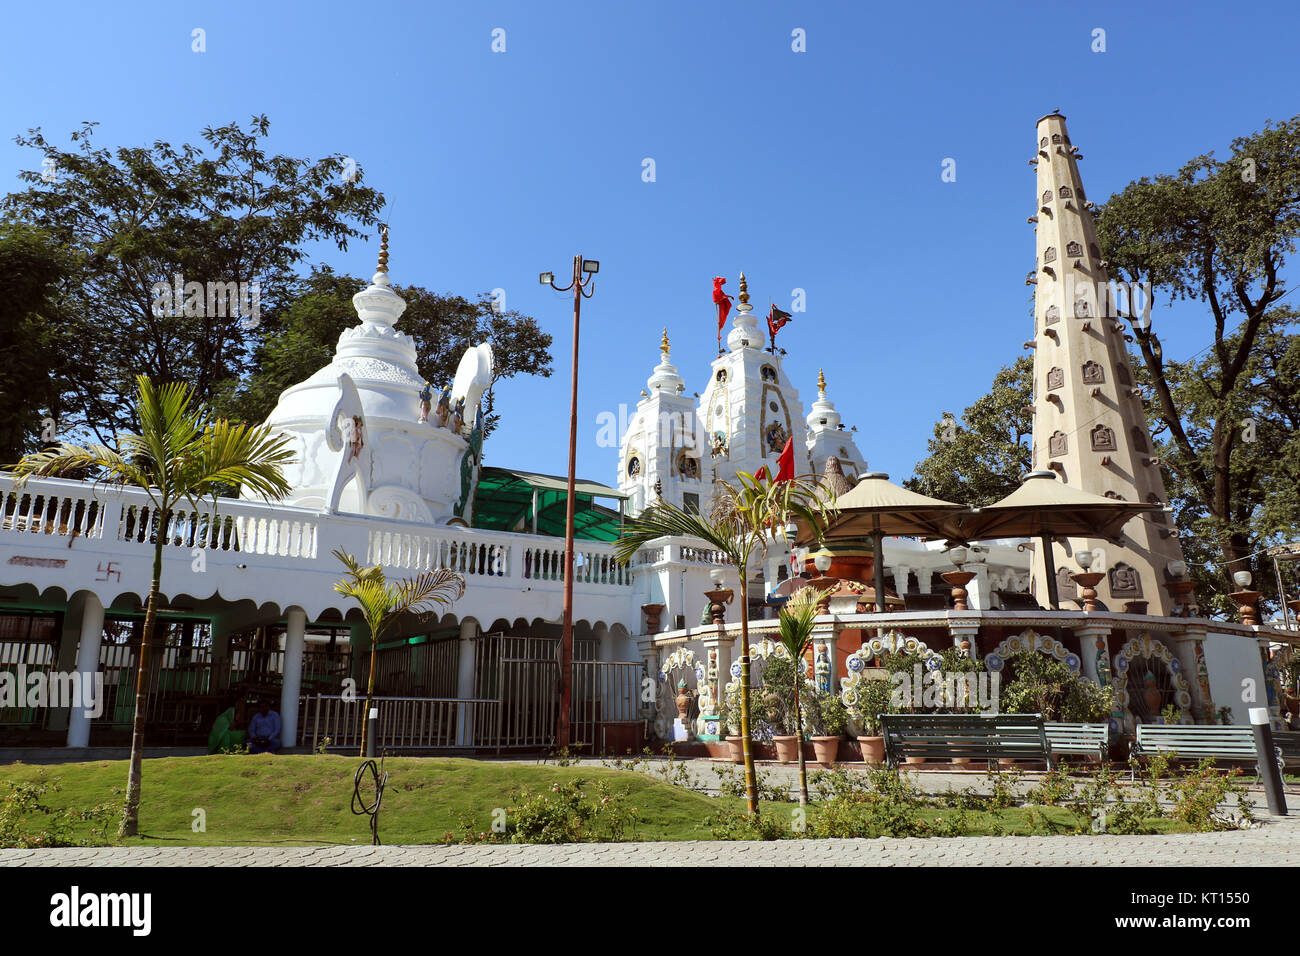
{"x": 1233, "y": 743}
{"x": 948, "y": 737}
{"x": 1088, "y": 740}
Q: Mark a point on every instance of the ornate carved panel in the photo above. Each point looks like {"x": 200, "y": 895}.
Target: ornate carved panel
{"x": 1074, "y": 249}
{"x": 1125, "y": 582}
{"x": 1081, "y": 309}
{"x": 1049, "y": 255}
{"x": 1052, "y": 315}
{"x": 1047, "y": 196}
{"x": 1056, "y": 378}
{"x": 1103, "y": 439}
{"x": 1065, "y": 192}
{"x": 1093, "y": 374}
{"x": 1058, "y": 445}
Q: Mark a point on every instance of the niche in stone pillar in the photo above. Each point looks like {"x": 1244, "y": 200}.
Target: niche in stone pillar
{"x": 1042, "y": 143}
{"x": 1138, "y": 436}
{"x": 1103, "y": 439}
{"x": 1047, "y": 196}
{"x": 1056, "y": 137}
{"x": 1125, "y": 582}
{"x": 1074, "y": 249}
{"x": 1055, "y": 378}
{"x": 1081, "y": 310}
{"x": 1093, "y": 374}
{"x": 1049, "y": 255}
{"x": 1065, "y": 192}
{"x": 1058, "y": 445}
{"x": 1052, "y": 315}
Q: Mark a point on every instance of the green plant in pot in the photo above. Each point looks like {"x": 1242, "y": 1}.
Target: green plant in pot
{"x": 828, "y": 719}
{"x": 871, "y": 699}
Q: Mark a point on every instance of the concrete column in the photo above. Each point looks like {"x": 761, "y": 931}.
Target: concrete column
{"x": 1185, "y": 649}
{"x": 901, "y": 584}
{"x": 826, "y": 634}
{"x": 979, "y": 595}
{"x": 966, "y": 632}
{"x": 465, "y": 689}
{"x": 92, "y": 632}
{"x": 221, "y": 634}
{"x": 295, "y": 639}
{"x": 1092, "y": 639}
{"x": 923, "y": 580}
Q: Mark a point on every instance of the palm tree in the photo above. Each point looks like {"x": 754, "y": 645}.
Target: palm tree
{"x": 180, "y": 454}
{"x": 742, "y": 520}
{"x": 383, "y": 604}
{"x": 797, "y": 619}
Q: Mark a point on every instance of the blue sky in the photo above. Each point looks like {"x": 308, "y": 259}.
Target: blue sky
{"x": 817, "y": 170}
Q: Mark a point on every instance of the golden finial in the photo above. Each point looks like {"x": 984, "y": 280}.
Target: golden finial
{"x": 744, "y": 290}
{"x": 663, "y": 345}
{"x": 383, "y": 249}
{"x": 821, "y": 383}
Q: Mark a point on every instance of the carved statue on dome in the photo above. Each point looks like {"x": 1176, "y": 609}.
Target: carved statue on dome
{"x": 458, "y": 416}
{"x": 426, "y": 403}
{"x": 719, "y": 446}
{"x": 347, "y": 434}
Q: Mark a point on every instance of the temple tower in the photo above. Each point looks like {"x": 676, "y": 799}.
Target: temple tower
{"x": 828, "y": 438}
{"x": 749, "y": 407}
{"x": 660, "y": 454}
{"x": 1089, "y": 423}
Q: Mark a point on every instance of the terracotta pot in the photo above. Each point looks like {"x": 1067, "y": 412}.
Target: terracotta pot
{"x": 787, "y": 749}
{"x": 736, "y": 746}
{"x": 873, "y": 749}
{"x": 827, "y": 749}
{"x": 913, "y": 760}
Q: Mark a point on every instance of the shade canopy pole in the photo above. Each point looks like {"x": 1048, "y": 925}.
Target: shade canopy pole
{"x": 1049, "y": 565}
{"x": 878, "y": 549}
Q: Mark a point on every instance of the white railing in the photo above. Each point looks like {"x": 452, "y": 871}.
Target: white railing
{"x": 57, "y": 508}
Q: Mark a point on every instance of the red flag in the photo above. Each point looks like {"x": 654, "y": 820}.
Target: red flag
{"x": 721, "y": 300}
{"x": 785, "y": 461}
{"x": 761, "y": 474}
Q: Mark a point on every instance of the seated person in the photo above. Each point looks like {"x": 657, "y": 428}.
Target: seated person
{"x": 225, "y": 736}
{"x": 264, "y": 730}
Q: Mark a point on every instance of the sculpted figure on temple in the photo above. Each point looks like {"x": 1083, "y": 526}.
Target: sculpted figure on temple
{"x": 347, "y": 433}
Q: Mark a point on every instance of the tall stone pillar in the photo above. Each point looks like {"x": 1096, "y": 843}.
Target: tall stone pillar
{"x": 92, "y": 632}
{"x": 295, "y": 640}
{"x": 1093, "y": 651}
{"x": 1188, "y": 647}
{"x": 465, "y": 689}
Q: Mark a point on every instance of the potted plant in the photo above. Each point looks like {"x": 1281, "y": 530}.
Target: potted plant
{"x": 731, "y": 721}
{"x": 828, "y": 719}
{"x": 780, "y": 702}
{"x": 872, "y": 699}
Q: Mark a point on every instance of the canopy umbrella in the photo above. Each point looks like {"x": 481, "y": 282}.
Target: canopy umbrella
{"x": 876, "y": 507}
{"x": 1045, "y": 508}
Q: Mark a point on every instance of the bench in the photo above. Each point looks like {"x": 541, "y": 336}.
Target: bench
{"x": 1089, "y": 740}
{"x": 1196, "y": 742}
{"x": 946, "y": 737}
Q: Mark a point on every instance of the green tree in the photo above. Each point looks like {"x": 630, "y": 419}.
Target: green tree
{"x": 299, "y": 338}
{"x": 180, "y": 454}
{"x": 221, "y": 212}
{"x": 982, "y": 458}
{"x": 1218, "y": 233}
{"x": 383, "y": 604}
{"x": 739, "y": 526}
{"x": 32, "y": 370}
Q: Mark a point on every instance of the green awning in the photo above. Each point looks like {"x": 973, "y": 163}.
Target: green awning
{"x": 505, "y": 501}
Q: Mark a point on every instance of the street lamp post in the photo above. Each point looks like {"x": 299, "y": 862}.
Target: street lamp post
{"x": 581, "y": 288}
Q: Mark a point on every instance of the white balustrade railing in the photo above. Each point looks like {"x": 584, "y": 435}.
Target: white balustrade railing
{"x": 70, "y": 509}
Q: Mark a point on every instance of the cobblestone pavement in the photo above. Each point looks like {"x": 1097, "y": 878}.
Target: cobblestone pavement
{"x": 1276, "y": 842}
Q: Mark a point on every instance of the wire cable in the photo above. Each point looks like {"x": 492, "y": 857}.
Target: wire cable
{"x": 359, "y": 805}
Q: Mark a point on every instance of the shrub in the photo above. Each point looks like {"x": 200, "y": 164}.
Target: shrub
{"x": 28, "y": 823}
{"x": 1044, "y": 685}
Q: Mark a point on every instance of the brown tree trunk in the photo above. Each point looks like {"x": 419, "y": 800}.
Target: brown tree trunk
{"x": 131, "y": 810}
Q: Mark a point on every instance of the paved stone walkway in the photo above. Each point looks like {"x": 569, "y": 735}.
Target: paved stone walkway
{"x": 1276, "y": 842}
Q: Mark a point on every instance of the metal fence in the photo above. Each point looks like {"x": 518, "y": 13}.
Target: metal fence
{"x": 405, "y": 723}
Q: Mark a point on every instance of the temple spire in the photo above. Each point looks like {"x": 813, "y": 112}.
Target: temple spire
{"x": 1089, "y": 423}
{"x": 664, "y": 347}
{"x": 821, "y": 384}
{"x": 383, "y": 250}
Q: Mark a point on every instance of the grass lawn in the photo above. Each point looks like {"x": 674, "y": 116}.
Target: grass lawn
{"x": 262, "y": 800}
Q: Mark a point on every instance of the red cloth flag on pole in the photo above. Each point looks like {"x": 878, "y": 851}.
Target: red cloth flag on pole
{"x": 785, "y": 461}
{"x": 776, "y": 320}
{"x": 723, "y": 303}
{"x": 761, "y": 474}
